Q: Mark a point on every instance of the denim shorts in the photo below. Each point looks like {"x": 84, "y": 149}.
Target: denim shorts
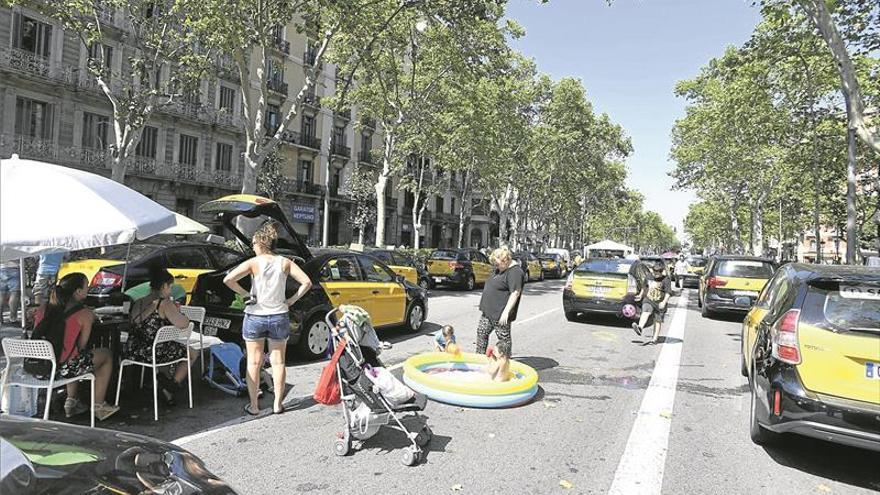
{"x": 9, "y": 280}
{"x": 272, "y": 327}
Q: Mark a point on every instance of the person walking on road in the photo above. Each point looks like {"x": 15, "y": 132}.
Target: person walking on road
{"x": 681, "y": 269}
{"x": 266, "y": 312}
{"x": 654, "y": 301}
{"x": 47, "y": 274}
{"x": 499, "y": 302}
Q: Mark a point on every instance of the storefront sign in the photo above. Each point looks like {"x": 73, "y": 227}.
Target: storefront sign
{"x": 303, "y": 213}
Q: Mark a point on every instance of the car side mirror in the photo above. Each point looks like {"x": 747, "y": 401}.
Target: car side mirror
{"x": 400, "y": 278}
{"x": 742, "y": 301}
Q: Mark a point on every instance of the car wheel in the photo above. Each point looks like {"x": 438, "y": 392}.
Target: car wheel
{"x": 415, "y": 317}
{"x": 742, "y": 366}
{"x": 699, "y": 301}
{"x": 571, "y": 315}
{"x": 528, "y": 276}
{"x": 758, "y": 433}
{"x": 470, "y": 283}
{"x": 542, "y": 276}
{"x": 705, "y": 312}
{"x": 315, "y": 338}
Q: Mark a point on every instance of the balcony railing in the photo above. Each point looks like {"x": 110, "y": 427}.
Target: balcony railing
{"x": 366, "y": 157}
{"x": 281, "y": 45}
{"x": 99, "y": 160}
{"x": 340, "y": 149}
{"x": 278, "y": 86}
{"x": 294, "y": 186}
{"x": 368, "y": 122}
{"x": 310, "y": 141}
{"x": 226, "y": 68}
{"x": 226, "y": 117}
{"x": 311, "y": 99}
{"x": 194, "y": 111}
{"x": 344, "y": 114}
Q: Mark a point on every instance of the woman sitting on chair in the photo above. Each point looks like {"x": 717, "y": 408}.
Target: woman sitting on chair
{"x": 150, "y": 313}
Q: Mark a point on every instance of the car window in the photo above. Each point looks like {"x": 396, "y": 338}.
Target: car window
{"x": 193, "y": 258}
{"x": 374, "y": 271}
{"x": 605, "y": 266}
{"x": 383, "y": 255}
{"x": 122, "y": 253}
{"x": 399, "y": 259}
{"x": 444, "y": 254}
{"x": 696, "y": 261}
{"x": 765, "y": 298}
{"x": 343, "y": 269}
{"x": 225, "y": 257}
{"x": 745, "y": 269}
{"x": 482, "y": 258}
{"x": 843, "y": 306}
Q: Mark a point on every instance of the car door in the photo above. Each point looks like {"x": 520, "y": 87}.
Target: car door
{"x": 757, "y": 314}
{"x": 387, "y": 295}
{"x": 481, "y": 266}
{"x": 186, "y": 263}
{"x": 404, "y": 267}
{"x": 342, "y": 280}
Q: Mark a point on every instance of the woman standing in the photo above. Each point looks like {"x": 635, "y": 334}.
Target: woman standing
{"x": 266, "y": 312}
{"x": 150, "y": 313}
{"x": 499, "y": 302}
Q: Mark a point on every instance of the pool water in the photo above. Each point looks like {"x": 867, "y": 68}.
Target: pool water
{"x": 459, "y": 372}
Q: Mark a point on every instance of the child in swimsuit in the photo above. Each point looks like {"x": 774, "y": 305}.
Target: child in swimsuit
{"x": 498, "y": 368}
{"x": 443, "y": 338}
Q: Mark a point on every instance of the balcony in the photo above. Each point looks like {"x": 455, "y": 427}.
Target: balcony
{"x": 340, "y": 149}
{"x": 226, "y": 68}
{"x": 277, "y": 86}
{"x": 309, "y": 57}
{"x": 281, "y": 44}
{"x": 365, "y": 156}
{"x": 344, "y": 114}
{"x": 190, "y": 110}
{"x": 311, "y": 99}
{"x": 298, "y": 186}
{"x": 368, "y": 122}
{"x": 310, "y": 141}
{"x": 225, "y": 117}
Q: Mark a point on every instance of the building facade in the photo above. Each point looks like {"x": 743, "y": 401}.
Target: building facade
{"x": 52, "y": 110}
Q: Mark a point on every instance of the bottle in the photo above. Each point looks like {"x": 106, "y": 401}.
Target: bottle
{"x": 20, "y": 401}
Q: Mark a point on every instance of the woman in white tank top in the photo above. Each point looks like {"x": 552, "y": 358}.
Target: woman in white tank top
{"x": 266, "y": 312}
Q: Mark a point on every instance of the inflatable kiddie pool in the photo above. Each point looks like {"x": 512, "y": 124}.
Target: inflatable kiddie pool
{"x": 459, "y": 379}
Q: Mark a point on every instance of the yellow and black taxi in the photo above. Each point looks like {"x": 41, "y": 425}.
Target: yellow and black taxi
{"x": 530, "y": 265}
{"x": 602, "y": 285}
{"x": 811, "y": 351}
{"x": 402, "y": 264}
{"x": 338, "y": 277}
{"x": 732, "y": 283}
{"x": 184, "y": 260}
{"x": 696, "y": 266}
{"x": 464, "y": 268}
{"x": 552, "y": 265}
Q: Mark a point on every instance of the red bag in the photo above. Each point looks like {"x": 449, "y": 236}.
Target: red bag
{"x": 327, "y": 391}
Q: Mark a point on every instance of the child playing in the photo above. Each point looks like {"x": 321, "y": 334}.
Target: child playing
{"x": 498, "y": 368}
{"x": 443, "y": 338}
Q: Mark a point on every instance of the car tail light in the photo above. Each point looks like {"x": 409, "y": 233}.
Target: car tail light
{"x": 106, "y": 279}
{"x": 569, "y": 281}
{"x": 716, "y": 282}
{"x": 455, "y": 265}
{"x": 785, "y": 339}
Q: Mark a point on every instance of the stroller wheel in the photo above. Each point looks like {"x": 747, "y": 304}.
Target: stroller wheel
{"x": 423, "y": 437}
{"x": 410, "y": 457}
{"x": 342, "y": 447}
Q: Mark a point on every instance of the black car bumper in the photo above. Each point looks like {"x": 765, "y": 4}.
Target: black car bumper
{"x": 572, "y": 302}
{"x": 689, "y": 279}
{"x": 552, "y": 272}
{"x": 456, "y": 278}
{"x": 843, "y": 421}
{"x": 717, "y": 303}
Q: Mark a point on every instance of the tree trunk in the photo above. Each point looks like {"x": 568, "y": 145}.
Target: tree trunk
{"x": 361, "y": 235}
{"x": 381, "y": 183}
{"x": 757, "y": 229}
{"x": 249, "y": 180}
{"x": 852, "y": 231}
{"x": 118, "y": 168}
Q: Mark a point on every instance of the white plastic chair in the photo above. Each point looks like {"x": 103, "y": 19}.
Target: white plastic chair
{"x": 197, "y": 314}
{"x": 168, "y": 333}
{"x": 19, "y": 350}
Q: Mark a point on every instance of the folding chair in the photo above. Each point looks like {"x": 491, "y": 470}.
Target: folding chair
{"x": 168, "y": 333}
{"x": 197, "y": 314}
{"x": 18, "y": 350}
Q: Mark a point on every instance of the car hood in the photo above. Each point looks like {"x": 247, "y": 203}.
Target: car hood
{"x": 59, "y": 458}
{"x": 228, "y": 208}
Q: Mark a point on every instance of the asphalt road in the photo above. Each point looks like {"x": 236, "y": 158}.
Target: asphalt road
{"x": 612, "y": 416}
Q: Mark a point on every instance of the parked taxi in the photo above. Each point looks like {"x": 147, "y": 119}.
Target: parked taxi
{"x": 530, "y": 265}
{"x": 552, "y": 265}
{"x": 403, "y": 265}
{"x": 338, "y": 277}
{"x": 465, "y": 268}
{"x": 811, "y": 351}
{"x": 602, "y": 285}
{"x": 732, "y": 283}
{"x": 696, "y": 266}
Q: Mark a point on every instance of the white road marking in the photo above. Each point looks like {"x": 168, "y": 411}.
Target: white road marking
{"x": 641, "y": 467}
{"x": 225, "y": 426}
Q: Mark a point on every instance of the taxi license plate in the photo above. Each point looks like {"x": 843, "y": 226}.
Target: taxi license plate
{"x": 218, "y": 322}
{"x": 438, "y": 280}
{"x": 748, "y": 293}
{"x": 872, "y": 371}
{"x": 600, "y": 291}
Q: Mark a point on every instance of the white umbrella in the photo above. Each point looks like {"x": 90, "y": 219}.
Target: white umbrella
{"x": 185, "y": 226}
{"x": 48, "y": 208}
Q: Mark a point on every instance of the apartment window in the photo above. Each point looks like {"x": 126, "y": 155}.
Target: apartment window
{"x": 366, "y": 143}
{"x": 223, "y": 158}
{"x": 339, "y": 135}
{"x": 146, "y": 147}
{"x": 101, "y": 55}
{"x": 227, "y": 99}
{"x": 273, "y": 118}
{"x": 31, "y": 35}
{"x": 187, "y": 153}
{"x": 408, "y": 199}
{"x": 275, "y": 70}
{"x": 439, "y": 205}
{"x": 308, "y": 126}
{"x": 278, "y": 32}
{"x": 305, "y": 171}
{"x": 94, "y": 131}
{"x": 452, "y": 204}
{"x": 33, "y": 118}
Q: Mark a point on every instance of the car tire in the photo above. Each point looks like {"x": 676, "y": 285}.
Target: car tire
{"x": 528, "y": 276}
{"x": 705, "y": 312}
{"x": 699, "y": 301}
{"x": 542, "y": 276}
{"x": 315, "y": 338}
{"x": 742, "y": 366}
{"x": 758, "y": 433}
{"x": 415, "y": 317}
{"x": 470, "y": 283}
{"x": 571, "y": 315}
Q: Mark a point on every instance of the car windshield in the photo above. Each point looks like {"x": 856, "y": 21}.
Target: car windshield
{"x": 696, "y": 261}
{"x": 385, "y": 256}
{"x": 745, "y": 269}
{"x": 551, "y": 257}
{"x": 844, "y": 306}
{"x": 605, "y": 266}
{"x": 121, "y": 253}
{"x": 444, "y": 255}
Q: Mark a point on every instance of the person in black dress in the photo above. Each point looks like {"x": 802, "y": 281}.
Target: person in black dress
{"x": 499, "y": 302}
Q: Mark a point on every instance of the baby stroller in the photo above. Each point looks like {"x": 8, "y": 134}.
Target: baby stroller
{"x": 364, "y": 408}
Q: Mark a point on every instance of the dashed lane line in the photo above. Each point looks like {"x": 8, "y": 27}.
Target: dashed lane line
{"x": 641, "y": 467}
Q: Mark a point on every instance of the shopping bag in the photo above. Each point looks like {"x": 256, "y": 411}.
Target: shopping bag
{"x": 327, "y": 391}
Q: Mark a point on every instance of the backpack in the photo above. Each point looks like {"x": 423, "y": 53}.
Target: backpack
{"x": 50, "y": 329}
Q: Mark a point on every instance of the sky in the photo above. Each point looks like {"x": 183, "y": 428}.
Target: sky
{"x": 629, "y": 56}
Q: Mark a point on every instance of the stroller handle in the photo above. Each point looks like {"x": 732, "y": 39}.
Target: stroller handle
{"x": 330, "y": 313}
